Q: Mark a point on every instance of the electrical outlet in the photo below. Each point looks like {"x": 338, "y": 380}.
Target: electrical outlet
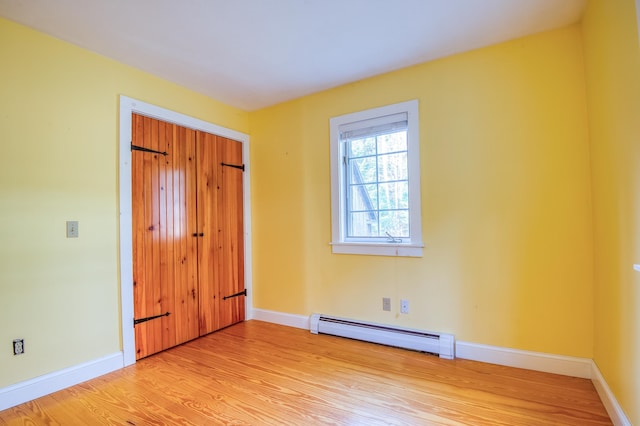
{"x": 18, "y": 346}
{"x": 404, "y": 306}
{"x": 386, "y": 303}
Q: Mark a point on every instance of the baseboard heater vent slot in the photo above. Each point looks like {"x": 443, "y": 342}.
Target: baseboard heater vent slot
{"x": 435, "y": 343}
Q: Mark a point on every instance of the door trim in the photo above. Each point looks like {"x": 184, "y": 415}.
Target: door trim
{"x": 127, "y": 107}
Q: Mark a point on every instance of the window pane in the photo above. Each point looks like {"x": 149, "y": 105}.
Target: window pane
{"x": 392, "y": 142}
{"x": 361, "y": 147}
{"x": 363, "y": 170}
{"x": 394, "y": 195}
{"x": 378, "y": 187}
{"x": 396, "y": 223}
{"x": 363, "y": 197}
{"x": 363, "y": 224}
{"x": 393, "y": 167}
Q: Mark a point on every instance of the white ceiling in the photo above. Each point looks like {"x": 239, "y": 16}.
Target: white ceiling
{"x": 255, "y": 53}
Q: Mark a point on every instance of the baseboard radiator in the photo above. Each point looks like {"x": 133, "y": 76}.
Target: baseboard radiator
{"x": 435, "y": 343}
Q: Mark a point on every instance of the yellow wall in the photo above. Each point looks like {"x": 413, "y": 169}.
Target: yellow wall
{"x": 58, "y": 162}
{"x": 612, "y": 57}
{"x": 505, "y": 194}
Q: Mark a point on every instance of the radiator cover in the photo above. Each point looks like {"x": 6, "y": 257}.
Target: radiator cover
{"x": 436, "y": 343}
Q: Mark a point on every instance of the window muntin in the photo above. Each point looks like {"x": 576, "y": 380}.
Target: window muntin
{"x": 375, "y": 181}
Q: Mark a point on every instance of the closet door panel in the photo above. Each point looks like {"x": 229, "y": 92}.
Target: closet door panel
{"x": 185, "y": 245}
{"x": 146, "y": 236}
{"x": 163, "y": 251}
{"x": 206, "y": 154}
{"x": 161, "y": 132}
{"x": 230, "y": 247}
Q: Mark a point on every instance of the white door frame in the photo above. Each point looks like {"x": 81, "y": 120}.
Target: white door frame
{"x": 127, "y": 107}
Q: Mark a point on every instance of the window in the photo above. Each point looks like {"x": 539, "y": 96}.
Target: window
{"x": 375, "y": 182}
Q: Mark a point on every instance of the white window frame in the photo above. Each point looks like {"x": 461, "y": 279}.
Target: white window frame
{"x": 411, "y": 247}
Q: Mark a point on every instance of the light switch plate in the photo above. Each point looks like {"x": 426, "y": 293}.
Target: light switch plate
{"x": 72, "y": 229}
{"x": 386, "y": 304}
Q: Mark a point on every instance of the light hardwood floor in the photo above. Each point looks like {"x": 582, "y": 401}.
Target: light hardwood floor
{"x": 264, "y": 374}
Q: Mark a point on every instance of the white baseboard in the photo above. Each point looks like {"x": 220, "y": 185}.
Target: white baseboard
{"x": 291, "y": 320}
{"x": 40, "y": 386}
{"x": 557, "y": 364}
{"x": 618, "y": 417}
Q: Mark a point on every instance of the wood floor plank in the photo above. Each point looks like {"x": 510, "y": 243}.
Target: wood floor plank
{"x": 256, "y": 373}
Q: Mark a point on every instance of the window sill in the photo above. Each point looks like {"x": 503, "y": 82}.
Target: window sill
{"x": 378, "y": 249}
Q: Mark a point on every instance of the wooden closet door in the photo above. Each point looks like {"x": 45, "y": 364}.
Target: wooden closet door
{"x": 230, "y": 248}
{"x": 220, "y": 215}
{"x": 164, "y": 250}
